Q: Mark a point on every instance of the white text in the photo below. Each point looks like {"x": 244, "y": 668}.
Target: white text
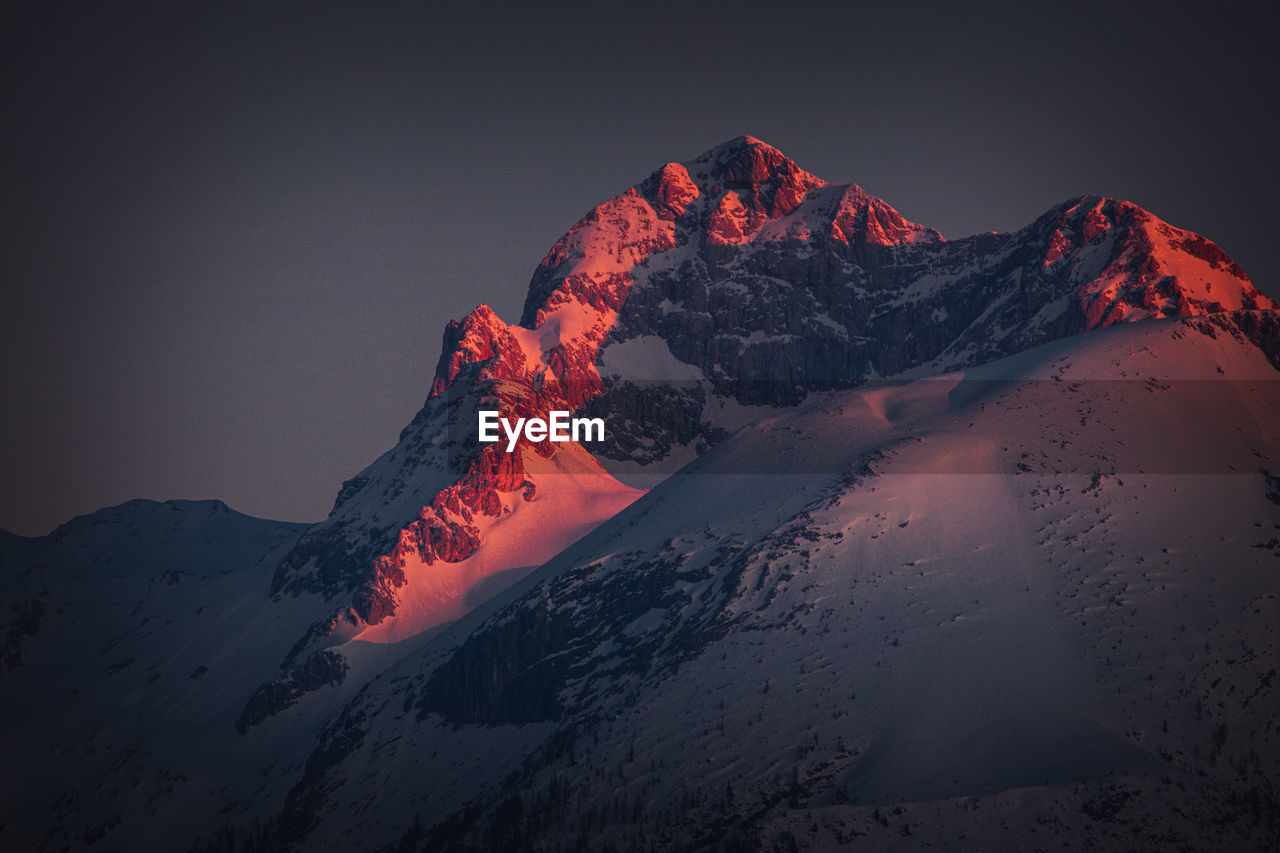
{"x": 557, "y": 427}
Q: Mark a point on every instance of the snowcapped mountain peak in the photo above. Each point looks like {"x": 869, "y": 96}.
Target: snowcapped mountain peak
{"x": 741, "y": 271}
{"x": 747, "y": 183}
{"x": 741, "y": 192}
{"x": 746, "y": 160}
{"x": 478, "y": 337}
{"x": 1131, "y": 265}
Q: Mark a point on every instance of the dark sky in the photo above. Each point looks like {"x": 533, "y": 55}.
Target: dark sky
{"x": 232, "y": 238}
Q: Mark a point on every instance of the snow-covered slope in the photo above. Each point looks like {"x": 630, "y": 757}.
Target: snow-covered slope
{"x": 535, "y": 524}
{"x": 1029, "y": 605}
{"x": 133, "y": 637}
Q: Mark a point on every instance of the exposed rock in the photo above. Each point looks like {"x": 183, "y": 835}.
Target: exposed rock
{"x": 25, "y": 622}
{"x": 321, "y": 669}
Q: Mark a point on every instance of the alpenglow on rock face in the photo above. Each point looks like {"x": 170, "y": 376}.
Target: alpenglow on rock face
{"x": 735, "y": 278}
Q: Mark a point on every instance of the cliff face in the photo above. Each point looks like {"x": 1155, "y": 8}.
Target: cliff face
{"x": 736, "y": 279}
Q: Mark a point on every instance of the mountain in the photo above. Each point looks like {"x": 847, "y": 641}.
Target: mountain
{"x": 892, "y": 537}
{"x": 735, "y": 280}
{"x": 133, "y": 637}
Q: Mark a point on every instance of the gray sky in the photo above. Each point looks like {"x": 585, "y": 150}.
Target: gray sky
{"x": 232, "y": 238}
